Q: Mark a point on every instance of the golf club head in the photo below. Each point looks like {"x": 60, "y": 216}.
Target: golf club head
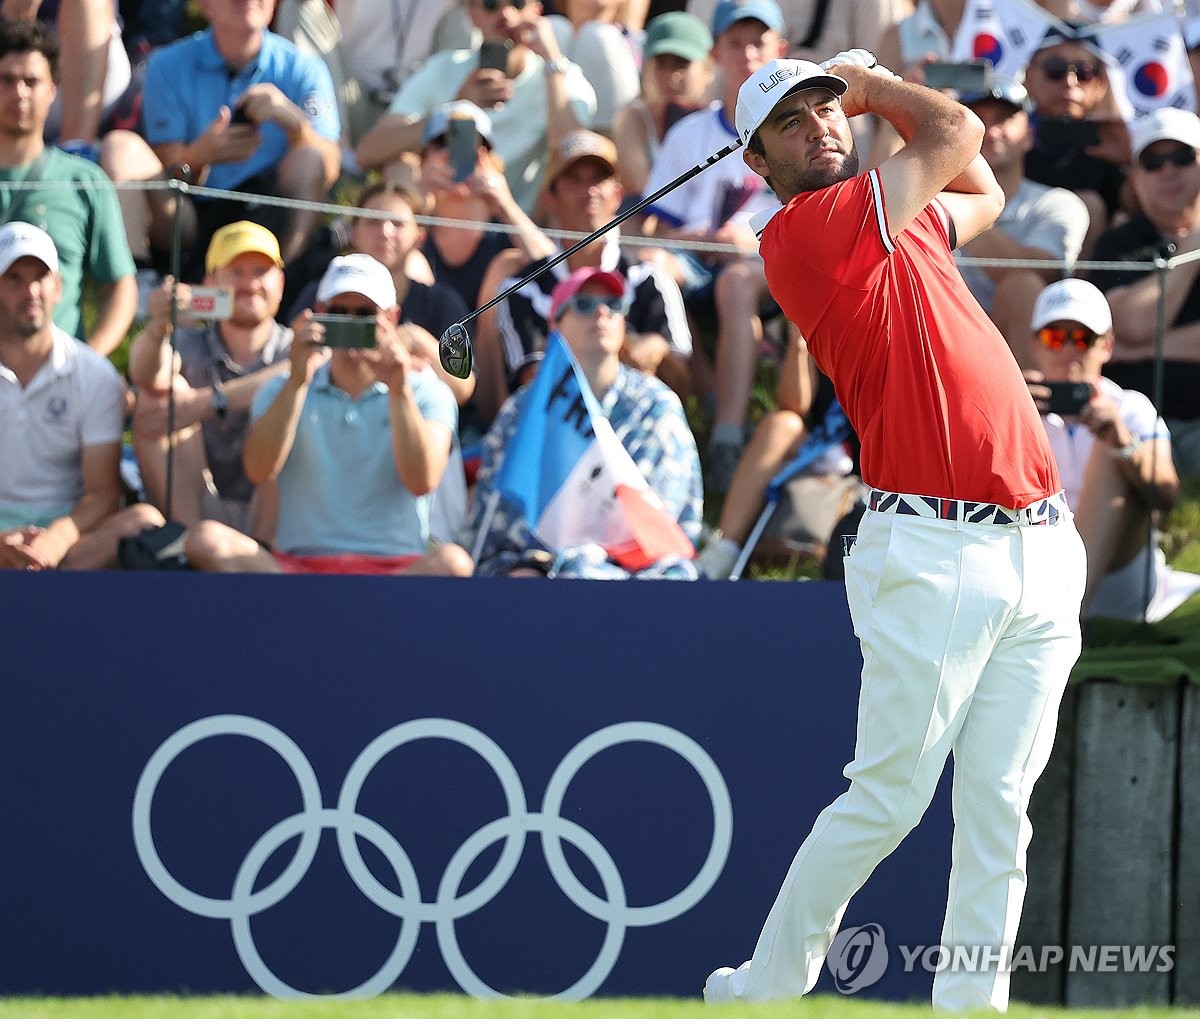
{"x": 454, "y": 350}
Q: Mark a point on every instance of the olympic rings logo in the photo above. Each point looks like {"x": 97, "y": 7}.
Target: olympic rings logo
{"x": 448, "y": 905}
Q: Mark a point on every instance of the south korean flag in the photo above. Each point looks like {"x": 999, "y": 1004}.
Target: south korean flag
{"x": 1006, "y": 32}
{"x": 1147, "y": 64}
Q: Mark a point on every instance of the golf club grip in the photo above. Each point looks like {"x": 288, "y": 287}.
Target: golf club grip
{"x": 683, "y": 178}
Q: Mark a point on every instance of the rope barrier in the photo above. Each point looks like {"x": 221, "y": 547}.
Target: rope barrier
{"x": 341, "y": 210}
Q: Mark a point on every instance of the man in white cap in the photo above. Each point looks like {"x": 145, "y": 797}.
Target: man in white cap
{"x": 62, "y": 410}
{"x": 1166, "y": 182}
{"x": 1113, "y": 453}
{"x": 350, "y": 501}
{"x": 967, "y": 573}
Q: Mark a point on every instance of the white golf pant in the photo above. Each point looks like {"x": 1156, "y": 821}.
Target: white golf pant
{"x": 968, "y": 634}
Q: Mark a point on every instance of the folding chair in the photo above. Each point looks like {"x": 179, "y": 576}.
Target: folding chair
{"x": 833, "y": 429}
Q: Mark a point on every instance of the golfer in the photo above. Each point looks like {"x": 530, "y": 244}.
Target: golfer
{"x": 966, "y": 578}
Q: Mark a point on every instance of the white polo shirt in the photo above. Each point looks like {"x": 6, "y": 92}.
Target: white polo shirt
{"x": 75, "y": 400}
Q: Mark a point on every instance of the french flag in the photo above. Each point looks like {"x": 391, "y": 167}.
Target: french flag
{"x": 566, "y": 468}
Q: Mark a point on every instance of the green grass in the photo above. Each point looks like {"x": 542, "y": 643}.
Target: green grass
{"x": 445, "y": 1006}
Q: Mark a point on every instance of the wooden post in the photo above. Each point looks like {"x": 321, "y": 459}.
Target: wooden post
{"x": 1187, "y": 882}
{"x": 1121, "y": 869}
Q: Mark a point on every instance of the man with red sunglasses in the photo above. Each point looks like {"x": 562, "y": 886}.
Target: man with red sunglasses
{"x": 1165, "y": 180}
{"x": 1113, "y": 454}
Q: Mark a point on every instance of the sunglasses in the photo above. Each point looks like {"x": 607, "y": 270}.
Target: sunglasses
{"x": 1152, "y": 162}
{"x": 335, "y": 309}
{"x": 1057, "y": 69}
{"x": 1056, "y": 337}
{"x": 494, "y": 5}
{"x": 586, "y": 304}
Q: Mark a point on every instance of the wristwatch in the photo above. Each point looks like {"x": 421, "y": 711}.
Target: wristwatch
{"x": 1127, "y": 452}
{"x": 219, "y": 401}
{"x": 558, "y": 66}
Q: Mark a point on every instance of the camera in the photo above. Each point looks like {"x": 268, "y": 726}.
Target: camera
{"x": 1068, "y": 398}
{"x": 238, "y": 115}
{"x": 348, "y": 331}
{"x": 970, "y": 76}
{"x": 209, "y": 304}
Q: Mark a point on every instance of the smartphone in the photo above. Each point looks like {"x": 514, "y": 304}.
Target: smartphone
{"x": 1068, "y": 397}
{"x": 238, "y": 116}
{"x": 210, "y": 304}
{"x": 969, "y": 76}
{"x": 462, "y": 141}
{"x": 348, "y": 331}
{"x": 1068, "y": 133}
{"x": 493, "y": 55}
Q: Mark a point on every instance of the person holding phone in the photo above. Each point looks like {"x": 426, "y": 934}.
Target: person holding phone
{"x": 1038, "y": 222}
{"x": 235, "y": 107}
{"x": 218, "y": 367}
{"x": 348, "y": 503}
{"x": 1080, "y": 142}
{"x": 1113, "y": 453}
{"x": 460, "y": 252}
{"x": 533, "y": 94}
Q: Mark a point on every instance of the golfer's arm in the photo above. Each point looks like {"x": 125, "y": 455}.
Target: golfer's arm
{"x": 942, "y": 140}
{"x": 974, "y": 200}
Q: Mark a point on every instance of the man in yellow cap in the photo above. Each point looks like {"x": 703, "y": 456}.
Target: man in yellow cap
{"x": 221, "y": 362}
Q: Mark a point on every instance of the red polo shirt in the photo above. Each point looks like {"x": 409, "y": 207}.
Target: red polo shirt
{"x": 928, "y": 382}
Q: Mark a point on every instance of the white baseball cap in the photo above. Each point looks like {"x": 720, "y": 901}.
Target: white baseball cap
{"x": 358, "y": 274}
{"x": 438, "y": 121}
{"x": 20, "y": 239}
{"x": 1072, "y": 300}
{"x": 1166, "y": 122}
{"x": 771, "y": 83}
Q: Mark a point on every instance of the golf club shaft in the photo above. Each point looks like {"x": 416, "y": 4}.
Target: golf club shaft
{"x": 632, "y": 211}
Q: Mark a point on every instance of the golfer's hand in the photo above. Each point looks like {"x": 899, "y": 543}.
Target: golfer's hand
{"x": 861, "y": 57}
{"x": 859, "y": 80}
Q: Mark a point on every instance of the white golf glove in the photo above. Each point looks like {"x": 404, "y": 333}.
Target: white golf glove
{"x": 861, "y": 57}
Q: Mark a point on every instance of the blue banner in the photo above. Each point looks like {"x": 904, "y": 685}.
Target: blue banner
{"x": 324, "y": 785}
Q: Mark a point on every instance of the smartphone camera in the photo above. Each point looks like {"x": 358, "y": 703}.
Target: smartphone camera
{"x": 1068, "y": 133}
{"x": 969, "y": 76}
{"x": 462, "y": 140}
{"x": 348, "y": 332}
{"x": 493, "y": 55}
{"x": 1068, "y": 398}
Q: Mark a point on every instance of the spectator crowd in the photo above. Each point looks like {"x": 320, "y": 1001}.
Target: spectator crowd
{"x": 231, "y": 233}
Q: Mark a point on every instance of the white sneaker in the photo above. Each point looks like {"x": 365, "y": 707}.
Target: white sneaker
{"x": 718, "y": 558}
{"x": 725, "y": 984}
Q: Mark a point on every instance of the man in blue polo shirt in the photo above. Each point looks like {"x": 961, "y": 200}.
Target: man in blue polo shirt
{"x": 234, "y": 107}
{"x": 357, "y": 441}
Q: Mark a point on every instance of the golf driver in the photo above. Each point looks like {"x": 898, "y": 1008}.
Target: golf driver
{"x": 454, "y": 348}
